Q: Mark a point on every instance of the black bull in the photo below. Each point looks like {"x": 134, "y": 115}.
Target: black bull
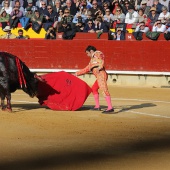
{"x": 14, "y": 74}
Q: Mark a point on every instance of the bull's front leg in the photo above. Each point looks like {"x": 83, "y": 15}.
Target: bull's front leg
{"x": 8, "y": 97}
{"x": 3, "y": 102}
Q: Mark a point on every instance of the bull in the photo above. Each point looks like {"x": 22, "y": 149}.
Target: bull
{"x": 14, "y": 74}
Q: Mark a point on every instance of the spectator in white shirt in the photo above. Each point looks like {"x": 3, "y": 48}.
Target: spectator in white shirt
{"x": 164, "y": 15}
{"x": 158, "y": 27}
{"x": 131, "y": 16}
{"x": 142, "y": 28}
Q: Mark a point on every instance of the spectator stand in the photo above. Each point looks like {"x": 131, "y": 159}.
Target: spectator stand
{"x": 29, "y": 32}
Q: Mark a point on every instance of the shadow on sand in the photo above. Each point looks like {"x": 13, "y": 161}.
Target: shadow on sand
{"x": 56, "y": 160}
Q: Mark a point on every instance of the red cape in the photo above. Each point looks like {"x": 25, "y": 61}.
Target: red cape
{"x": 62, "y": 91}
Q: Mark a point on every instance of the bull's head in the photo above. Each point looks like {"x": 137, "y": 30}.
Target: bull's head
{"x": 31, "y": 79}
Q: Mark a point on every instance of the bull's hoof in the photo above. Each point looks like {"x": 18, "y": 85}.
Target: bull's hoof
{"x": 7, "y": 109}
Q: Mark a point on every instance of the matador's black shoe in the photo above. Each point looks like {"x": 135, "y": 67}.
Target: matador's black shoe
{"x": 95, "y": 109}
{"x": 108, "y": 111}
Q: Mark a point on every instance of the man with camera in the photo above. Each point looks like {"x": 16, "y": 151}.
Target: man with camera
{"x": 51, "y": 34}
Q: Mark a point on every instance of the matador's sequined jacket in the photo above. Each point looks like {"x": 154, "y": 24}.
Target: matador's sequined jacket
{"x": 95, "y": 65}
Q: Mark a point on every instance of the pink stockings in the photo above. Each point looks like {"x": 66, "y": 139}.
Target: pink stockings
{"x": 107, "y": 98}
{"x": 109, "y": 103}
{"x": 95, "y": 88}
{"x": 96, "y": 99}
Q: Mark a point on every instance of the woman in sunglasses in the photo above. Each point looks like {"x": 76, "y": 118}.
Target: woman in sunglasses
{"x": 158, "y": 27}
{"x": 119, "y": 16}
{"x": 89, "y": 27}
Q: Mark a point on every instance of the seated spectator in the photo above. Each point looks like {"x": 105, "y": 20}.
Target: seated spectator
{"x": 21, "y": 3}
{"x": 119, "y": 17}
{"x": 67, "y": 30}
{"x": 30, "y": 5}
{"x": 50, "y": 18}
{"x": 57, "y": 6}
{"x": 43, "y": 10}
{"x": 8, "y": 35}
{"x": 158, "y": 6}
{"x": 144, "y": 7}
{"x": 71, "y": 5}
{"x": 164, "y": 15}
{"x": 99, "y": 13}
{"x": 105, "y": 6}
{"x": 150, "y": 3}
{"x": 100, "y": 26}
{"x": 40, "y": 3}
{"x": 137, "y": 5}
{"x": 68, "y": 16}
{"x": 131, "y": 18}
{"x": 4, "y": 18}
{"x": 89, "y": 27}
{"x": 108, "y": 18}
{"x": 75, "y": 19}
{"x": 7, "y": 7}
{"x": 165, "y": 3}
{"x": 125, "y": 6}
{"x": 26, "y": 20}
{"x": 37, "y": 20}
{"x": 61, "y": 12}
{"x": 82, "y": 5}
{"x": 19, "y": 6}
{"x": 142, "y": 28}
{"x": 59, "y": 19}
{"x": 84, "y": 12}
{"x": 158, "y": 27}
{"x": 89, "y": 16}
{"x": 115, "y": 4}
{"x": 94, "y": 9}
{"x": 52, "y": 3}
{"x": 141, "y": 16}
{"x": 15, "y": 15}
{"x": 153, "y": 16}
{"x": 7, "y": 1}
{"x": 29, "y": 13}
{"x": 119, "y": 34}
{"x": 79, "y": 27}
{"x": 51, "y": 33}
{"x": 20, "y": 35}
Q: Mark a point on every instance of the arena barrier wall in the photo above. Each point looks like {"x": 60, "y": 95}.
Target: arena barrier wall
{"x": 138, "y": 59}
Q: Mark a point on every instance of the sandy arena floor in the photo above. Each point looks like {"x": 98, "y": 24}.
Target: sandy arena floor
{"x": 136, "y": 137}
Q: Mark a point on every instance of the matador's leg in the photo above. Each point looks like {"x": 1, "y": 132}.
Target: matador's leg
{"x": 102, "y": 82}
{"x": 95, "y": 88}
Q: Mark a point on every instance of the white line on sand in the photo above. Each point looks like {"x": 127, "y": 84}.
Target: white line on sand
{"x": 148, "y": 114}
{"x": 138, "y": 100}
{"x": 143, "y": 100}
{"x": 122, "y": 99}
{"x": 141, "y": 113}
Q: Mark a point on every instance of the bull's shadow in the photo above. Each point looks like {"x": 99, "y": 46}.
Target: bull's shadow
{"x": 43, "y": 93}
{"x": 26, "y": 107}
{"x": 132, "y": 107}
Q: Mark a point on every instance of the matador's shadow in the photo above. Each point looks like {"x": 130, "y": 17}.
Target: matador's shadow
{"x": 132, "y": 107}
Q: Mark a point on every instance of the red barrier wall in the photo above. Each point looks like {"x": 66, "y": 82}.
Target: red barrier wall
{"x": 69, "y": 54}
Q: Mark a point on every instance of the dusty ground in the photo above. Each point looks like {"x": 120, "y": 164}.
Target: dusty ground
{"x": 136, "y": 137}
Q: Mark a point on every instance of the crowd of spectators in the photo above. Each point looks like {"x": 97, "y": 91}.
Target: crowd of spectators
{"x": 89, "y": 16}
